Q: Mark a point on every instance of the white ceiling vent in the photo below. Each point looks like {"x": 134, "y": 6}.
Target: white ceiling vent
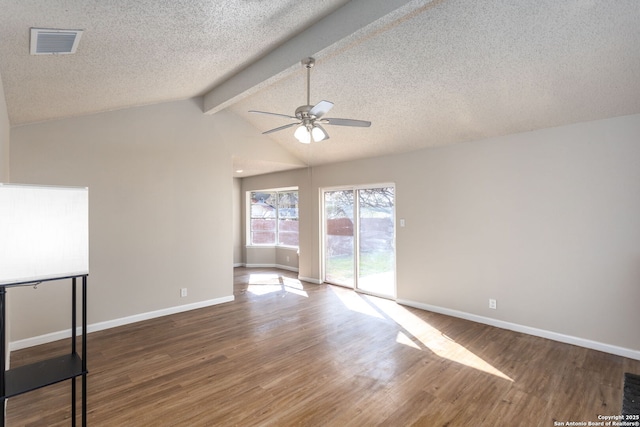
{"x": 54, "y": 42}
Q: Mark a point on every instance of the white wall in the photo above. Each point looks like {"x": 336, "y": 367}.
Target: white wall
{"x": 270, "y": 256}
{"x": 4, "y": 136}
{"x": 546, "y": 222}
{"x": 4, "y": 176}
{"x": 160, "y": 183}
{"x": 237, "y": 222}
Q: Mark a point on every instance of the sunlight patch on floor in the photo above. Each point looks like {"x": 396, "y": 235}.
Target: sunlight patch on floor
{"x": 266, "y": 283}
{"x": 354, "y": 302}
{"x": 294, "y": 286}
{"x": 380, "y": 284}
{"x": 264, "y": 279}
{"x": 404, "y": 339}
{"x": 432, "y": 338}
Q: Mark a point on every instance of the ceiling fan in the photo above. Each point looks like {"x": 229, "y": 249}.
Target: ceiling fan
{"x": 309, "y": 118}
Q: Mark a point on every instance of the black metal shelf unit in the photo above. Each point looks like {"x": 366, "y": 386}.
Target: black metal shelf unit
{"x": 51, "y": 371}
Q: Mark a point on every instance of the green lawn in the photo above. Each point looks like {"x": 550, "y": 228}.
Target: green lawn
{"x": 341, "y": 267}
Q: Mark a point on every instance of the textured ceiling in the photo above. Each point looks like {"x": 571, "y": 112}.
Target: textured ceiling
{"x": 442, "y": 72}
{"x": 462, "y": 71}
{"x": 137, "y": 52}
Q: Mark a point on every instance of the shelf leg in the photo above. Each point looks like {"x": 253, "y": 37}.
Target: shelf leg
{"x": 73, "y": 315}
{"x": 73, "y": 402}
{"x": 3, "y": 356}
{"x": 84, "y": 351}
{"x": 73, "y": 349}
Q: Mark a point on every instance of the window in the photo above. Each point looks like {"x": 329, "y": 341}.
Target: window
{"x": 288, "y": 218}
{"x": 274, "y": 218}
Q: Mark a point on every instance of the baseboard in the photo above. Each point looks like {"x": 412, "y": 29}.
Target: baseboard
{"x": 284, "y": 267}
{"x": 310, "y": 280}
{"x": 280, "y": 266}
{"x": 568, "y": 339}
{"x": 55, "y": 336}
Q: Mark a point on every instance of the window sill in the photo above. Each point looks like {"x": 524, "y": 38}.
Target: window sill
{"x": 293, "y": 248}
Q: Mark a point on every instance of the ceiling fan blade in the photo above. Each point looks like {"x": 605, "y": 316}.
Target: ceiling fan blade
{"x": 347, "y": 122}
{"x": 321, "y": 108}
{"x": 280, "y": 128}
{"x": 273, "y": 114}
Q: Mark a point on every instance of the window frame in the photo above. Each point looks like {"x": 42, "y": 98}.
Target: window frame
{"x": 249, "y": 231}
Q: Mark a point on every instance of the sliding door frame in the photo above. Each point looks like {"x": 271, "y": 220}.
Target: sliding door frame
{"x": 356, "y": 237}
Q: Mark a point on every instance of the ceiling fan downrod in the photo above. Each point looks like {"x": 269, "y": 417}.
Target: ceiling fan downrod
{"x": 308, "y": 64}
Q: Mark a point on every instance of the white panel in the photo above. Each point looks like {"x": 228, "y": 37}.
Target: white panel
{"x": 54, "y": 42}
{"x": 44, "y": 233}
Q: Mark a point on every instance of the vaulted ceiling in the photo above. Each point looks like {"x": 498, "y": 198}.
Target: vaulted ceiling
{"x": 426, "y": 73}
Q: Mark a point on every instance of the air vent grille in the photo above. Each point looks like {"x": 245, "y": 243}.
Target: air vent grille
{"x": 54, "y": 42}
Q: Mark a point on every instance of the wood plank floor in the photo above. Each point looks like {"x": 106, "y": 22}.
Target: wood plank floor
{"x": 290, "y": 353}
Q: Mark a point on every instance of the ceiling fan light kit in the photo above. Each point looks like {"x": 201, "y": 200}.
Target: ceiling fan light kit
{"x": 306, "y": 135}
{"x": 303, "y": 135}
{"x": 309, "y": 118}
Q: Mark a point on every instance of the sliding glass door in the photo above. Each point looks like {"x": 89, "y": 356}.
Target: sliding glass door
{"x": 376, "y": 241}
{"x": 359, "y": 238}
{"x": 339, "y": 237}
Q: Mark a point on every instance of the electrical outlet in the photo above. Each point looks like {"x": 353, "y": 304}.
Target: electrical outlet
{"x": 287, "y": 258}
{"x": 183, "y": 292}
{"x": 492, "y": 304}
